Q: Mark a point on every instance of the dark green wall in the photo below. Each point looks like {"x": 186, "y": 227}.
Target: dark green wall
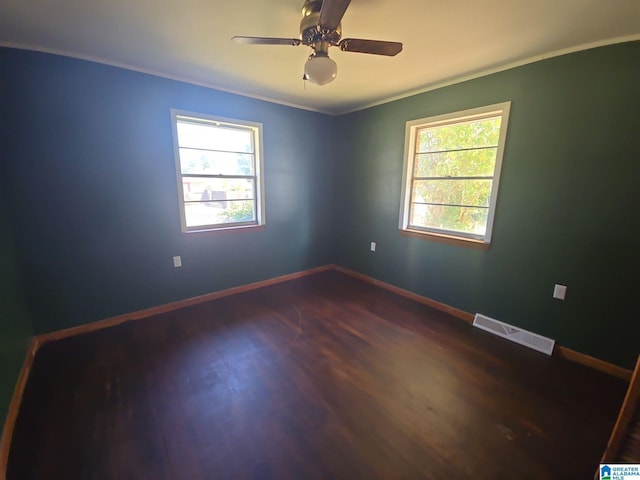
{"x": 567, "y": 208}
{"x": 93, "y": 189}
{"x": 15, "y": 328}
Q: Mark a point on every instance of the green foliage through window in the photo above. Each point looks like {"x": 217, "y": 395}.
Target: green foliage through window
{"x": 451, "y": 178}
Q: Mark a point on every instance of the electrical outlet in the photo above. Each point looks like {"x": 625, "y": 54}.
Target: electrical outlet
{"x": 373, "y": 246}
{"x": 559, "y": 291}
{"x": 177, "y": 261}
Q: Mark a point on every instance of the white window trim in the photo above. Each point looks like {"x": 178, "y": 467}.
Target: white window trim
{"x": 259, "y": 170}
{"x": 412, "y": 127}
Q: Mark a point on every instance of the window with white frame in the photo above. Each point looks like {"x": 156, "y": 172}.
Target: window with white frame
{"x": 451, "y": 173}
{"x": 219, "y": 171}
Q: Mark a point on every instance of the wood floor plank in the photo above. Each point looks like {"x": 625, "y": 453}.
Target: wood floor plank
{"x": 320, "y": 377}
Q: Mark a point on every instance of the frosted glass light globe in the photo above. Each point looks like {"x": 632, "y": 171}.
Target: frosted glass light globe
{"x": 320, "y": 69}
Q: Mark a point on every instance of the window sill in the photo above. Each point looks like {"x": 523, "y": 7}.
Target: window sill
{"x": 228, "y": 230}
{"x": 448, "y": 239}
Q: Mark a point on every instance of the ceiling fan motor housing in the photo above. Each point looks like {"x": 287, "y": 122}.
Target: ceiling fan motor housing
{"x": 310, "y": 32}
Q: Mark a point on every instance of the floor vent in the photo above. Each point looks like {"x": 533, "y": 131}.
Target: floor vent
{"x": 518, "y": 335}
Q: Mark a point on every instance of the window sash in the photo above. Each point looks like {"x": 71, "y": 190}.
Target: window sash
{"x": 443, "y": 229}
{"x": 414, "y": 153}
{"x": 253, "y": 200}
{"x": 216, "y": 124}
{"x": 251, "y": 150}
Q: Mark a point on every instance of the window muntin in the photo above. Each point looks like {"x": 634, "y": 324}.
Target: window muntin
{"x": 218, "y": 166}
{"x": 452, "y": 171}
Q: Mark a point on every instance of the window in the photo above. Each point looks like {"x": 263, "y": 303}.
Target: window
{"x": 219, "y": 171}
{"x": 451, "y": 173}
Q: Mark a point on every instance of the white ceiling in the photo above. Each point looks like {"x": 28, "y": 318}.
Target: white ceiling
{"x": 444, "y": 41}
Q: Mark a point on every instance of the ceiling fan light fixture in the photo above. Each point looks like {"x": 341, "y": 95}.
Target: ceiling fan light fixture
{"x": 320, "y": 69}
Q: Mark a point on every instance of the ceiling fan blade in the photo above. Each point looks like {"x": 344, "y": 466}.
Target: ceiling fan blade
{"x": 267, "y": 41}
{"x": 331, "y": 13}
{"x": 377, "y": 47}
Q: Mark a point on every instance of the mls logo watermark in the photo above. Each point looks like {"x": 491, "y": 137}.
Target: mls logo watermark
{"x": 620, "y": 472}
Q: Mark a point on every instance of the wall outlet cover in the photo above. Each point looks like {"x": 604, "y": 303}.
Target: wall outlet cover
{"x": 559, "y": 291}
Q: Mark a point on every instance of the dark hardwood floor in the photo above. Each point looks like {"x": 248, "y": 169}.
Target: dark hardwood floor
{"x": 320, "y": 377}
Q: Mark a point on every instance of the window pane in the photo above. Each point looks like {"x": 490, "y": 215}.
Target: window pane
{"x": 452, "y": 192}
{"x": 239, "y": 211}
{"x": 469, "y": 163}
{"x": 203, "y": 189}
{"x": 212, "y": 137}
{"x": 215, "y": 163}
{"x": 214, "y": 213}
{"x": 457, "y": 219}
{"x": 475, "y": 133}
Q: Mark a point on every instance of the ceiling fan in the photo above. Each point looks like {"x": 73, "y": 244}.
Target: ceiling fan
{"x": 320, "y": 28}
